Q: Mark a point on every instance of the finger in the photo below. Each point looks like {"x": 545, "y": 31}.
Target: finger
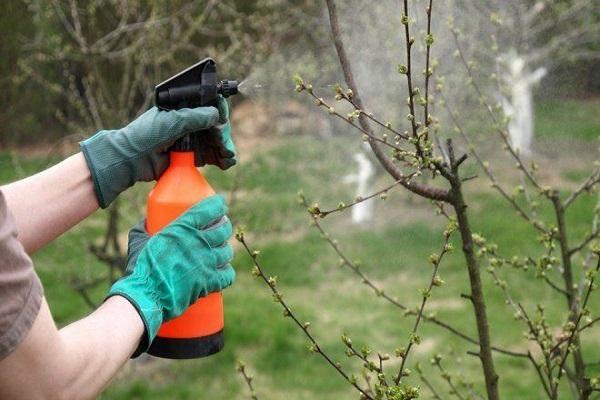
{"x": 199, "y": 158}
{"x": 226, "y": 153}
{"x": 217, "y": 234}
{"x": 138, "y": 237}
{"x": 227, "y": 140}
{"x": 223, "y": 107}
{"x": 139, "y": 231}
{"x": 226, "y": 145}
{"x": 227, "y": 163}
{"x": 203, "y": 213}
{"x": 188, "y": 120}
{"x": 158, "y": 165}
{"x": 223, "y": 255}
{"x": 226, "y": 276}
{"x": 210, "y": 155}
{"x": 207, "y": 141}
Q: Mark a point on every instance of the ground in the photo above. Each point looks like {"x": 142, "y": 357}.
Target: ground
{"x": 393, "y": 250}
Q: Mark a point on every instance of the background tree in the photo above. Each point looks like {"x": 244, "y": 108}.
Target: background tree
{"x": 526, "y": 40}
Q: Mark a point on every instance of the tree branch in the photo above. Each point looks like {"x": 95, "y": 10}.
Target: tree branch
{"x": 315, "y": 347}
{"x": 424, "y": 190}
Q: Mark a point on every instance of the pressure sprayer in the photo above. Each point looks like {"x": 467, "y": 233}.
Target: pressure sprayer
{"x": 199, "y": 331}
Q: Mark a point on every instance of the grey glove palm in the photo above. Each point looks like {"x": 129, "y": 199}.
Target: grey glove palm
{"x": 216, "y": 147}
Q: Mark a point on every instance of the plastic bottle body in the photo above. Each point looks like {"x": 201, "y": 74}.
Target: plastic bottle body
{"x": 199, "y": 331}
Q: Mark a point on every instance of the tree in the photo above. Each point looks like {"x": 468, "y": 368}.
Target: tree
{"x": 407, "y": 150}
{"x": 528, "y": 40}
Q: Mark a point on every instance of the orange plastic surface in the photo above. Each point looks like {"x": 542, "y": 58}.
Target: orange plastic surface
{"x": 179, "y": 188}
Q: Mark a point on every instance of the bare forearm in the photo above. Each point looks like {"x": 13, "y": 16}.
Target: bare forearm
{"x": 49, "y": 203}
{"x": 100, "y": 345}
{"x": 76, "y": 362}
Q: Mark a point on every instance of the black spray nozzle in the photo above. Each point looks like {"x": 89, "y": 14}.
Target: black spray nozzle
{"x": 196, "y": 86}
{"x": 227, "y": 88}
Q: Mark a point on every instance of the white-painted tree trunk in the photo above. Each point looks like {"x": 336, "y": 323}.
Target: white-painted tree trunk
{"x": 519, "y": 106}
{"x": 362, "y": 212}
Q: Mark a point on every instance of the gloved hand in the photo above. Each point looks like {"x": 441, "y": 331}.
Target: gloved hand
{"x": 217, "y": 148}
{"x": 168, "y": 272}
{"x": 119, "y": 158}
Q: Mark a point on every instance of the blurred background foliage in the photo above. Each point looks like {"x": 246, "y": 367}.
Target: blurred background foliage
{"x": 244, "y": 36}
{"x": 77, "y": 59}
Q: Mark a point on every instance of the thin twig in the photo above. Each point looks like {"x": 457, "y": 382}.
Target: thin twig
{"x": 322, "y": 103}
{"x": 343, "y": 206}
{"x": 428, "y": 72}
{"x": 594, "y": 234}
{"x": 497, "y": 125}
{"x": 434, "y": 281}
{"x": 429, "y": 385}
{"x": 271, "y": 283}
{"x": 488, "y": 171}
{"x": 241, "y": 368}
{"x": 571, "y": 296}
{"x": 381, "y": 292}
{"x": 575, "y": 329}
{"x": 448, "y": 378}
{"x": 588, "y": 184}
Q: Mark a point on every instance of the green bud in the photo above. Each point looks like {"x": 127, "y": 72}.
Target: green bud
{"x": 400, "y": 352}
{"x": 239, "y": 233}
{"x": 402, "y": 69}
{"x": 346, "y": 340}
{"x": 298, "y": 80}
{"x": 415, "y": 339}
{"x": 429, "y": 39}
{"x": 434, "y": 258}
{"x": 437, "y": 281}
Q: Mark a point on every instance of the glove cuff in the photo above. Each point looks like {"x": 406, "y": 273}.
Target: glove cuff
{"x": 112, "y": 172}
{"x": 148, "y": 309}
{"x": 84, "y": 146}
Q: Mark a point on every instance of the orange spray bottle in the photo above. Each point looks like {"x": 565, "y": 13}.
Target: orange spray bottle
{"x": 199, "y": 331}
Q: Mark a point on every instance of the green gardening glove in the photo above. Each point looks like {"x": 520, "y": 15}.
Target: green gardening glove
{"x": 138, "y": 152}
{"x": 168, "y": 272}
{"x": 216, "y": 147}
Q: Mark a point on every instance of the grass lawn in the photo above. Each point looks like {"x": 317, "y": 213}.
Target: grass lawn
{"x": 393, "y": 250}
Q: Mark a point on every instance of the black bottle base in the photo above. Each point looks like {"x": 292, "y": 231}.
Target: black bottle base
{"x": 181, "y": 349}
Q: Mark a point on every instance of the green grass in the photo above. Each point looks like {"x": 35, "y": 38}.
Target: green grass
{"x": 393, "y": 252}
{"x": 568, "y": 119}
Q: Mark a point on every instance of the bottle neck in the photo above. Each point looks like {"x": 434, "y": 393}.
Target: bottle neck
{"x": 185, "y": 143}
{"x": 182, "y": 159}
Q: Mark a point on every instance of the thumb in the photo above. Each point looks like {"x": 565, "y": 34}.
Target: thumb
{"x": 188, "y": 120}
